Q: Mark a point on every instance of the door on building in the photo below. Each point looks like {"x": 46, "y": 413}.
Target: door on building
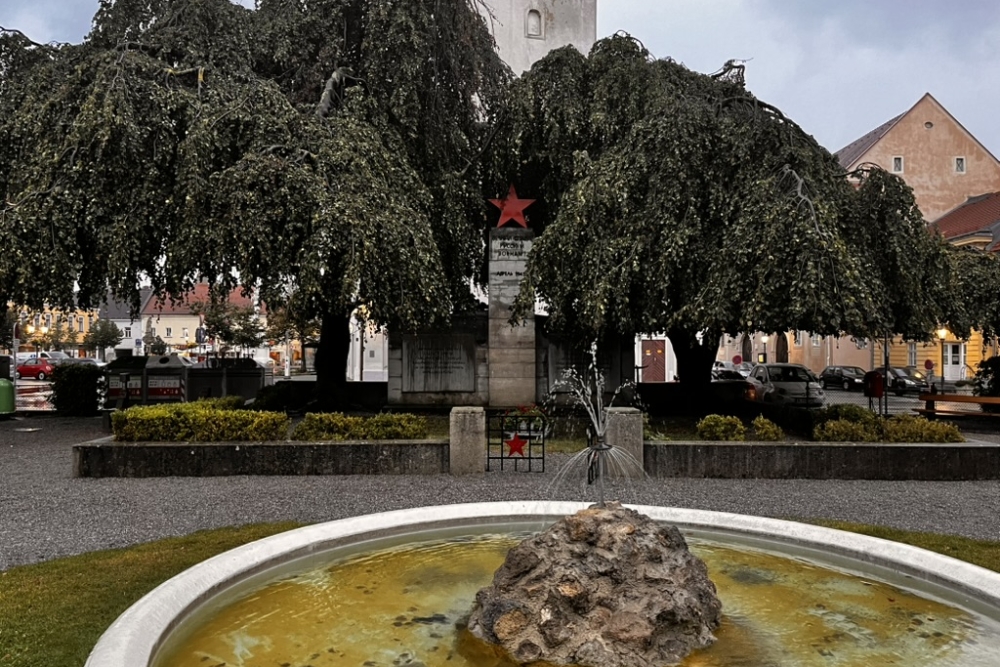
{"x": 746, "y": 348}
{"x": 781, "y": 348}
{"x": 654, "y": 361}
{"x": 954, "y": 361}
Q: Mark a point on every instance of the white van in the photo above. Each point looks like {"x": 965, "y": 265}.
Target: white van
{"x": 54, "y": 356}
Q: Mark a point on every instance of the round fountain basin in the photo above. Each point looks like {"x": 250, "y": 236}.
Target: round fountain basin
{"x": 940, "y": 610}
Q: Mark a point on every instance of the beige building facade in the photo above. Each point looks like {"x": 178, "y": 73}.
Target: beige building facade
{"x": 526, "y": 30}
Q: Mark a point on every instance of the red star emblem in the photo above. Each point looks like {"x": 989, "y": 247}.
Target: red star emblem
{"x": 516, "y": 445}
{"x": 512, "y": 208}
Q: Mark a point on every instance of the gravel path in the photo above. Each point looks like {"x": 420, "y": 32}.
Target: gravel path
{"x": 46, "y": 513}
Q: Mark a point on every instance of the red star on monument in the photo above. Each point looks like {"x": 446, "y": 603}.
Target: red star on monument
{"x": 516, "y": 445}
{"x": 512, "y": 208}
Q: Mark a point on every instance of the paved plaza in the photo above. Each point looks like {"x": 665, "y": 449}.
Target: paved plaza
{"x": 46, "y": 513}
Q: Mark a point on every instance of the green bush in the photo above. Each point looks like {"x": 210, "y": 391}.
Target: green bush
{"x": 843, "y": 430}
{"x": 907, "y": 428}
{"x": 76, "y": 389}
{"x": 196, "y": 422}
{"x": 847, "y": 412}
{"x": 719, "y": 427}
{"x": 338, "y": 426}
{"x": 986, "y": 381}
{"x": 222, "y": 403}
{"x": 766, "y": 430}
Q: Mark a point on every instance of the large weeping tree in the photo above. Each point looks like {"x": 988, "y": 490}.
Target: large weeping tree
{"x": 328, "y": 149}
{"x": 677, "y": 202}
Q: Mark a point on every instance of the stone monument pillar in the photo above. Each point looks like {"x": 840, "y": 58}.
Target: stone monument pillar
{"x": 511, "y": 348}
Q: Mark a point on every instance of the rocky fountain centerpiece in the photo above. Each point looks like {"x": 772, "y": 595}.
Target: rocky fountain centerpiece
{"x": 605, "y": 587}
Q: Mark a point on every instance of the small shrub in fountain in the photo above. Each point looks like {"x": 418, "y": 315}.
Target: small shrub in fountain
{"x": 906, "y": 428}
{"x": 766, "y": 430}
{"x": 719, "y": 427}
{"x": 196, "y": 422}
{"x": 842, "y": 430}
{"x": 337, "y": 426}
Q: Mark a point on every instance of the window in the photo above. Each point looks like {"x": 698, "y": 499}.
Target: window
{"x": 79, "y": 324}
{"x": 534, "y": 24}
{"x": 816, "y": 340}
{"x": 797, "y": 338}
{"x": 38, "y": 321}
{"x": 127, "y": 332}
{"x": 960, "y": 165}
{"x": 861, "y": 343}
{"x": 184, "y": 333}
{"x": 48, "y": 320}
{"x": 152, "y": 331}
{"x": 911, "y": 354}
{"x": 897, "y": 164}
{"x": 371, "y": 354}
{"x": 170, "y": 332}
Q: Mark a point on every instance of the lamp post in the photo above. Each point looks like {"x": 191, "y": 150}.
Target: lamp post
{"x": 942, "y": 333}
{"x": 763, "y": 340}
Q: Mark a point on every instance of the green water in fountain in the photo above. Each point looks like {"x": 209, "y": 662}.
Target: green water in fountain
{"x": 405, "y": 605}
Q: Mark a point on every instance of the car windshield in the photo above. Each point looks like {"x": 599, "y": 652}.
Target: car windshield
{"x": 853, "y": 371}
{"x": 790, "y": 374}
{"x": 726, "y": 374}
{"x": 57, "y": 355}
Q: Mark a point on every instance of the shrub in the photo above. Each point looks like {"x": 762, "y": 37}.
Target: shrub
{"x": 986, "y": 381}
{"x": 76, "y": 389}
{"x": 196, "y": 422}
{"x": 719, "y": 427}
{"x": 338, "y": 426}
{"x": 847, "y": 412}
{"x": 907, "y": 428}
{"x": 766, "y": 430}
{"x": 843, "y": 430}
{"x": 222, "y": 403}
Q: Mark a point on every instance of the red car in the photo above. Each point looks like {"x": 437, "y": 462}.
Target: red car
{"x": 38, "y": 369}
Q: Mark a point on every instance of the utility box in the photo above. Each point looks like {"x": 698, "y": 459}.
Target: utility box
{"x": 215, "y": 378}
{"x": 165, "y": 379}
{"x": 122, "y": 372}
{"x": 874, "y": 385}
{"x": 7, "y": 406}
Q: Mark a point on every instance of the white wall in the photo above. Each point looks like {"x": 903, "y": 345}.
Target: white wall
{"x": 562, "y": 21}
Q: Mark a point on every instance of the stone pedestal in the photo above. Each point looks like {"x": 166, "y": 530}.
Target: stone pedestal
{"x": 624, "y": 432}
{"x": 467, "y": 448}
{"x": 511, "y": 348}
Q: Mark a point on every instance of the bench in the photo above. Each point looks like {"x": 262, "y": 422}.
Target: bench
{"x": 931, "y": 410}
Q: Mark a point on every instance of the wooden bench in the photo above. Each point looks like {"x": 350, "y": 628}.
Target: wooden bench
{"x": 931, "y": 410}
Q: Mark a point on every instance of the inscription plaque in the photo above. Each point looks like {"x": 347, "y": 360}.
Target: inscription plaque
{"x": 439, "y": 363}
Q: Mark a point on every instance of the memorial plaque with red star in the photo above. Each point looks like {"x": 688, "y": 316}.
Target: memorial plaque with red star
{"x": 512, "y": 208}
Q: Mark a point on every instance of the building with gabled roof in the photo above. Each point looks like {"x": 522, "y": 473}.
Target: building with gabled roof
{"x": 930, "y": 150}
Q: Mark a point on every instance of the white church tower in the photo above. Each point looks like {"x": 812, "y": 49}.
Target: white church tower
{"x": 526, "y": 30}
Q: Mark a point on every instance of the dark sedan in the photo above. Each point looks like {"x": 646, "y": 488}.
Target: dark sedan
{"x": 848, "y": 378}
{"x": 900, "y": 382}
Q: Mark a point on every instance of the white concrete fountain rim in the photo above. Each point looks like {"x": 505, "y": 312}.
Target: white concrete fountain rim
{"x": 135, "y": 637}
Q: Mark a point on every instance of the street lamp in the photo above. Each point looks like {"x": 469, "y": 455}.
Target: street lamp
{"x": 763, "y": 354}
{"x": 942, "y": 333}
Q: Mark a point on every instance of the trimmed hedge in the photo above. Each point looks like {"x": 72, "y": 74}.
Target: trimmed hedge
{"x": 901, "y": 428}
{"x": 338, "y": 426}
{"x": 197, "y": 422}
{"x": 719, "y": 427}
{"x": 766, "y": 430}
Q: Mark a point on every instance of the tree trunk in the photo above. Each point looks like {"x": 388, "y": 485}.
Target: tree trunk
{"x": 694, "y": 366}
{"x": 331, "y": 361}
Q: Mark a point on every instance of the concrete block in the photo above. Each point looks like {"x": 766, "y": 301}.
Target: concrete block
{"x": 467, "y": 449}
{"x": 511, "y": 392}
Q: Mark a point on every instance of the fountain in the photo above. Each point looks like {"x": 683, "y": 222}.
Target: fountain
{"x": 397, "y": 589}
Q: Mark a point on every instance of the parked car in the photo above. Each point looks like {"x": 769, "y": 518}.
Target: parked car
{"x": 730, "y": 385}
{"x": 38, "y": 369}
{"x": 901, "y": 382}
{"x": 787, "y": 384}
{"x": 52, "y": 356}
{"x": 848, "y": 378}
{"x": 88, "y": 360}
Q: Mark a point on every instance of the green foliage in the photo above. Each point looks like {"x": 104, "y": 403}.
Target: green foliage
{"x": 76, "y": 389}
{"x": 766, "y": 430}
{"x": 846, "y": 412}
{"x": 843, "y": 430}
{"x": 231, "y": 325}
{"x": 101, "y": 335}
{"x": 222, "y": 403}
{"x": 986, "y": 382}
{"x": 719, "y": 427}
{"x": 907, "y": 428}
{"x": 337, "y": 426}
{"x": 197, "y": 422}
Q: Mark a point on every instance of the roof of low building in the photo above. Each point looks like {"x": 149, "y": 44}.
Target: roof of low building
{"x": 185, "y": 305}
{"x": 979, "y": 215}
{"x": 850, "y": 153}
{"x": 115, "y": 309}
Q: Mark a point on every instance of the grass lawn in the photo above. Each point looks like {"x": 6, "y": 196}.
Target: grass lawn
{"x": 52, "y": 614}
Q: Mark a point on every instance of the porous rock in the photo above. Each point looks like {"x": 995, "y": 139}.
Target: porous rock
{"x": 605, "y": 587}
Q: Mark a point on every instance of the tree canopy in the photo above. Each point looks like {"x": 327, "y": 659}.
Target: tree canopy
{"x": 678, "y": 202}
{"x": 328, "y": 147}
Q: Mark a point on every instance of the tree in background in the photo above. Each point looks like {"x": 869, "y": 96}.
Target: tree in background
{"x": 329, "y": 148}
{"x": 292, "y": 322}
{"x": 677, "y": 202}
{"x": 230, "y": 325}
{"x": 102, "y": 335}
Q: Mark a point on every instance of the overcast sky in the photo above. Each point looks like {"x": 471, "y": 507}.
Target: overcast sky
{"x": 837, "y": 67}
